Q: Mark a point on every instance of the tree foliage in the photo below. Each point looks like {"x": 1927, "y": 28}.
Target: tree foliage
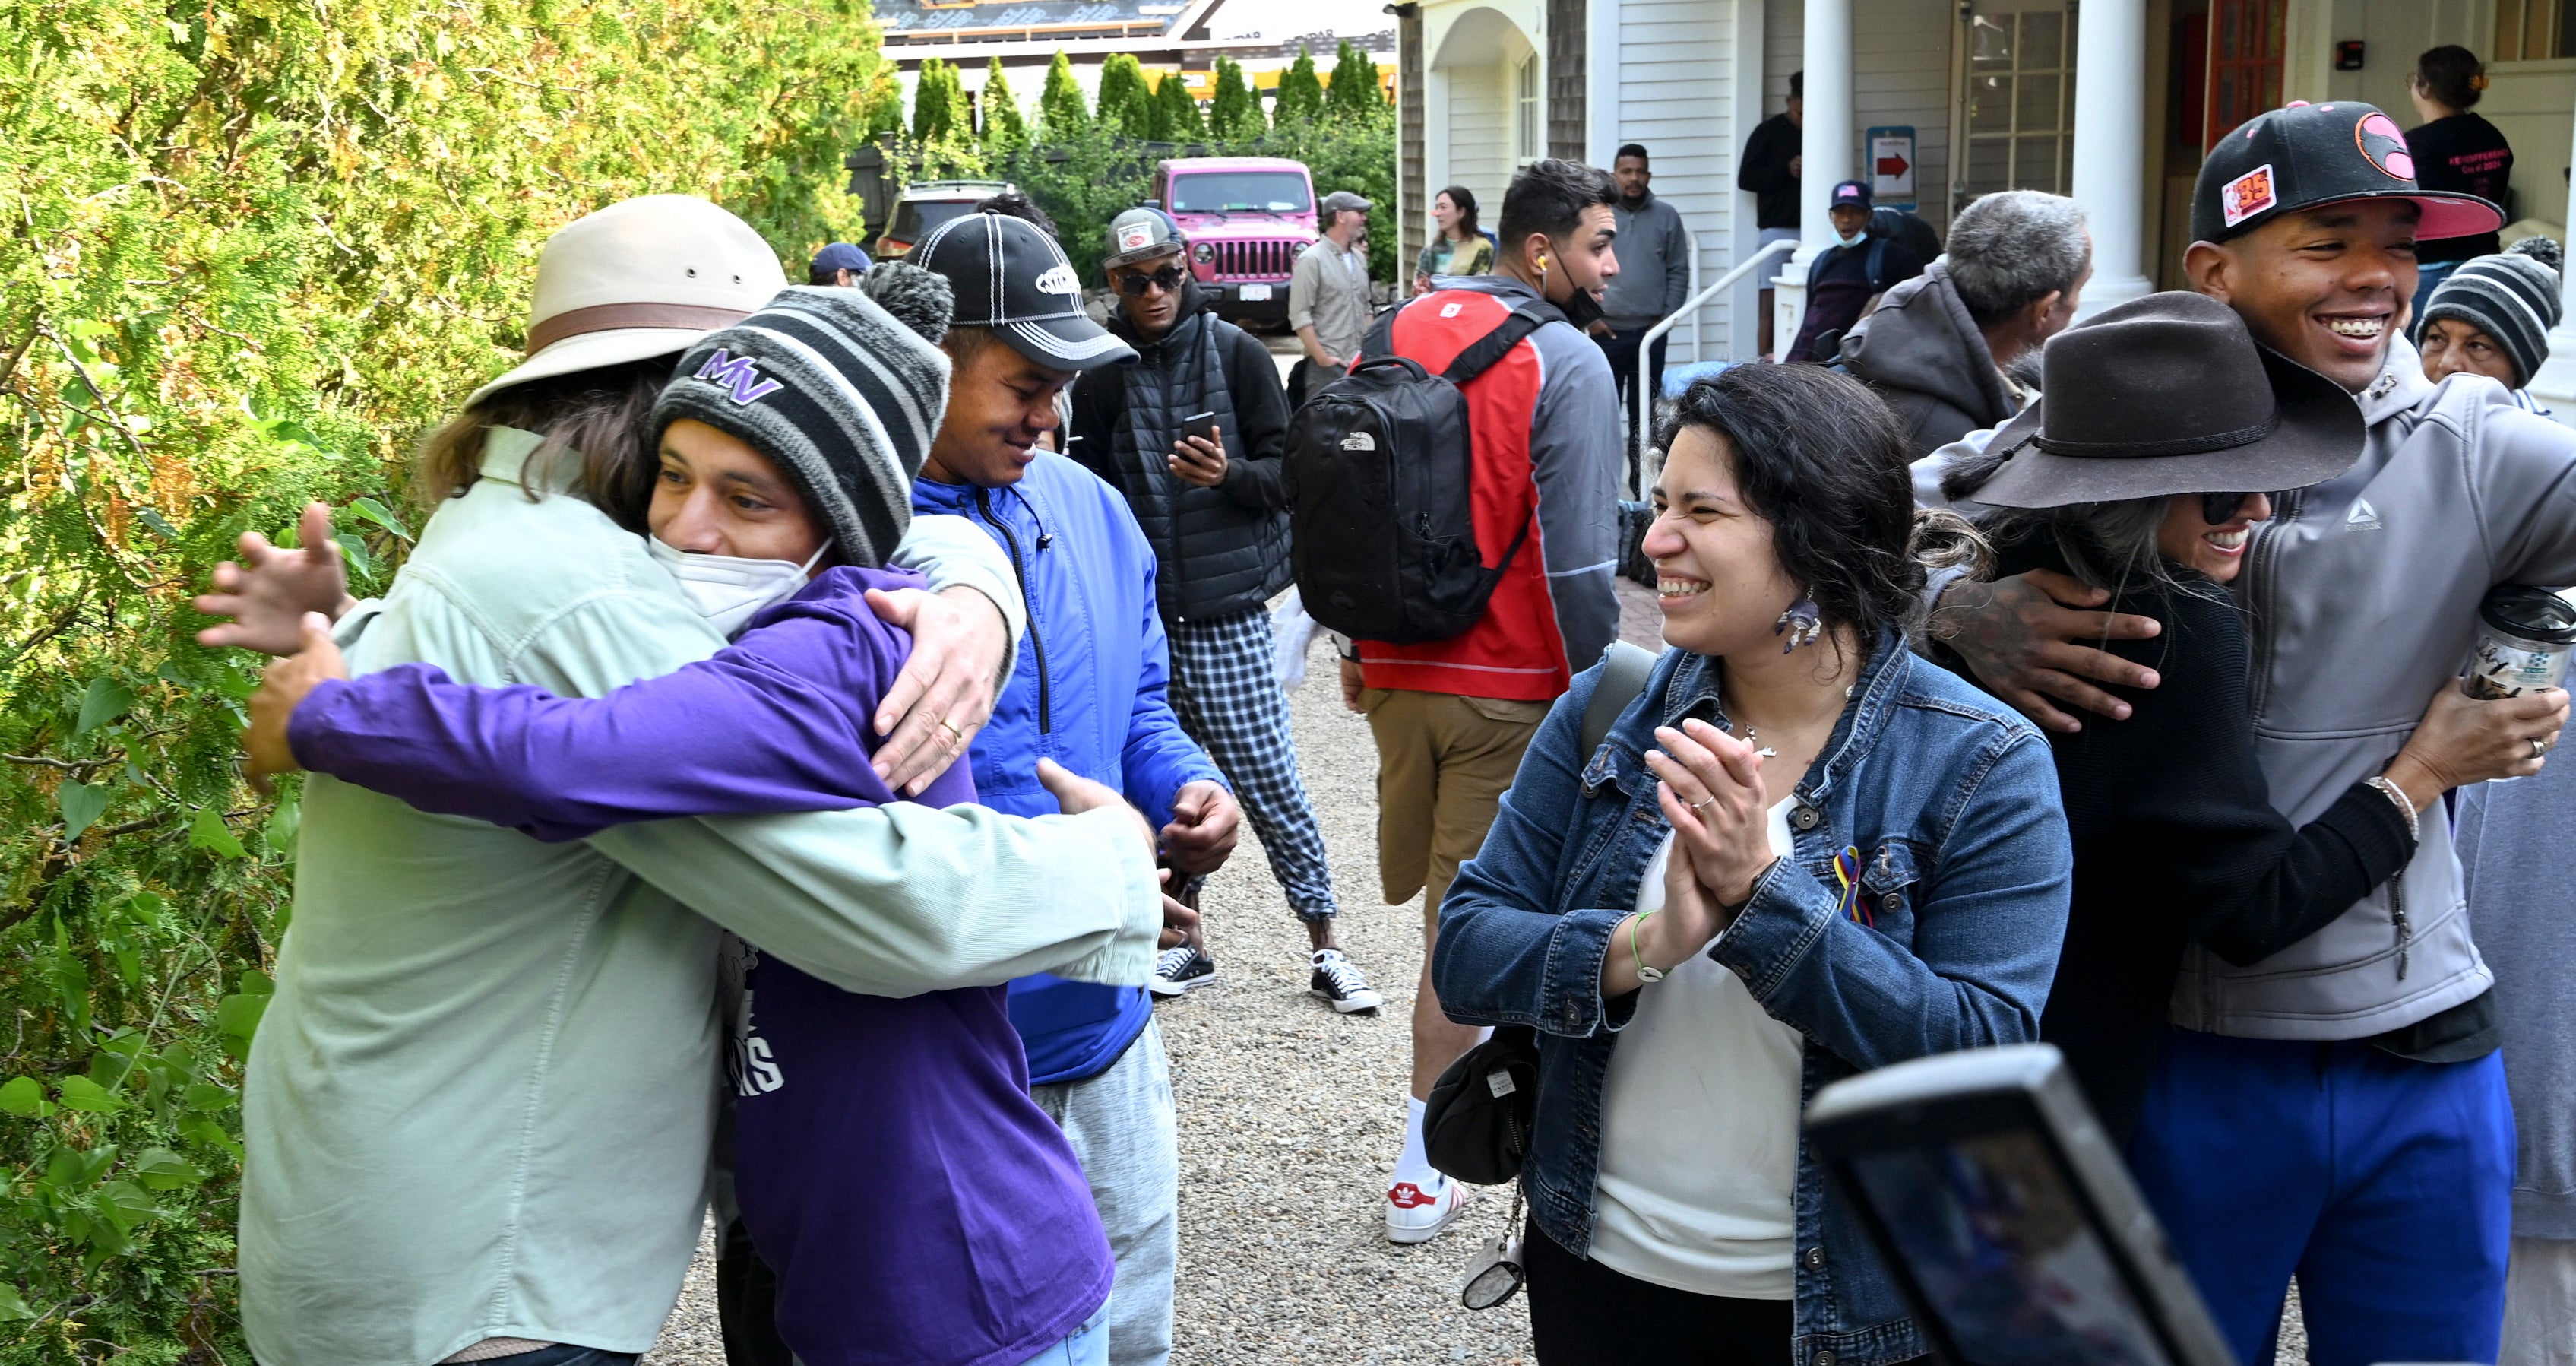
{"x": 1355, "y": 89}
{"x": 255, "y": 248}
{"x": 1061, "y": 117}
{"x": 1005, "y": 129}
{"x": 1301, "y": 95}
{"x": 1176, "y": 112}
{"x": 1234, "y": 112}
{"x": 1126, "y": 109}
{"x": 939, "y": 110}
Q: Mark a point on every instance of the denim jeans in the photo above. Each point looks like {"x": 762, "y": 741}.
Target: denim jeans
{"x": 563, "y": 1354}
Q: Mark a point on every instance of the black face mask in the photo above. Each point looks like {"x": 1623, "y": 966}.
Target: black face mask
{"x": 1581, "y": 309}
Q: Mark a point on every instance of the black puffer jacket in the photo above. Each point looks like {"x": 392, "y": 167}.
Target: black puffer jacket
{"x": 1221, "y": 550}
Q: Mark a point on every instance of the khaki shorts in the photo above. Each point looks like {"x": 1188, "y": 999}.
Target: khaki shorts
{"x": 1443, "y": 764}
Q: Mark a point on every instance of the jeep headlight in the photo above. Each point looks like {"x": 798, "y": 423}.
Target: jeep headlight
{"x": 1204, "y": 253}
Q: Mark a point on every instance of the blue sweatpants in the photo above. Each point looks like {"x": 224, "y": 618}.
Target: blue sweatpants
{"x": 2384, "y": 1184}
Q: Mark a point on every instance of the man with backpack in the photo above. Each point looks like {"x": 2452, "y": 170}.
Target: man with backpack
{"x": 1859, "y": 267}
{"x": 1455, "y": 502}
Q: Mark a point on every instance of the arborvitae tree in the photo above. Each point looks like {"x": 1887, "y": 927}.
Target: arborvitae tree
{"x": 1354, "y": 94}
{"x": 1301, "y": 96}
{"x": 1005, "y": 130}
{"x": 1234, "y": 115}
{"x": 1126, "y": 108}
{"x": 1060, "y": 112}
{"x": 1176, "y": 112}
{"x": 939, "y": 109}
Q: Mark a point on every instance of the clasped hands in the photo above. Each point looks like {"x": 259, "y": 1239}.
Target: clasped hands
{"x": 1713, "y": 794}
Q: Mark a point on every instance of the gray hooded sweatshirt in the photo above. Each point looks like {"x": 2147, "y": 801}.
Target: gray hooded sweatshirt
{"x": 1924, "y": 356}
{"x": 2363, "y": 593}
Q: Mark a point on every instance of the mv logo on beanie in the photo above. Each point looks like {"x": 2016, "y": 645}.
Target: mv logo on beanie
{"x": 724, "y": 368}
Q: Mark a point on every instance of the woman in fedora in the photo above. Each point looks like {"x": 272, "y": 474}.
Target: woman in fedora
{"x": 2148, "y": 489}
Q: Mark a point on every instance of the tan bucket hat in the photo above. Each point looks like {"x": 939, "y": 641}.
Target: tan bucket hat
{"x": 639, "y": 279}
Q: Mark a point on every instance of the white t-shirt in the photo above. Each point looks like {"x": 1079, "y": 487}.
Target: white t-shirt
{"x": 1699, "y": 1128}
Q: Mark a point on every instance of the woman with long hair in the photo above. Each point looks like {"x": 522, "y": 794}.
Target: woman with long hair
{"x": 1802, "y": 851}
{"x": 1457, "y": 246}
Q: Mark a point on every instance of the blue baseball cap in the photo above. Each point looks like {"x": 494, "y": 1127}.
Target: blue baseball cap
{"x": 831, "y": 260}
{"x": 1852, "y": 192}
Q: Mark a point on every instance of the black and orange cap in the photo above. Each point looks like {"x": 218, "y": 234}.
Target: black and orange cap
{"x": 2303, "y": 155}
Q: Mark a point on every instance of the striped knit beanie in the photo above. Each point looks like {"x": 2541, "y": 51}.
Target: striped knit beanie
{"x": 2511, "y": 297}
{"x": 842, "y": 389}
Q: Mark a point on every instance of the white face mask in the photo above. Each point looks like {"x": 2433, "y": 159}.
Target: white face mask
{"x": 727, "y": 591}
{"x": 1854, "y": 240}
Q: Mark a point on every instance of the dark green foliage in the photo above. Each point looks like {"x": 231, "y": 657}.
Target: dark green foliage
{"x": 1176, "y": 115}
{"x": 939, "y": 110}
{"x": 256, "y": 249}
{"x": 1354, "y": 93}
{"x": 1300, "y": 98}
{"x": 1061, "y": 116}
{"x": 1126, "y": 109}
{"x": 1005, "y": 130}
{"x": 1234, "y": 114}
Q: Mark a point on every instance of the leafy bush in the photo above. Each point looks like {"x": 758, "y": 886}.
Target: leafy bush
{"x": 255, "y": 248}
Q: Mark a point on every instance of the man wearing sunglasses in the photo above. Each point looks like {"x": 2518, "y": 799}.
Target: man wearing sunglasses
{"x": 1192, "y": 433}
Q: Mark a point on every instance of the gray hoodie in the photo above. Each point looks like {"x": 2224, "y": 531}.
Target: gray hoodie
{"x": 1924, "y": 356}
{"x": 2526, "y": 920}
{"x": 2364, "y": 595}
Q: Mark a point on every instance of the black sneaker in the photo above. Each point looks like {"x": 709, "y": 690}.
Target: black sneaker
{"x": 1337, "y": 980}
{"x": 1182, "y": 970}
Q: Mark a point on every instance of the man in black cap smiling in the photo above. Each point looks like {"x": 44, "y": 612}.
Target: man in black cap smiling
{"x": 2336, "y": 1110}
{"x": 1091, "y": 692}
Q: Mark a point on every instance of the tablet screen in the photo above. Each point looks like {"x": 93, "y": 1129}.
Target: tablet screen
{"x": 1996, "y": 1239}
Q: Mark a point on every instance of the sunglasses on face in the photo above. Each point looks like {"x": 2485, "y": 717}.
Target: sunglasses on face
{"x": 2218, "y": 509}
{"x": 1134, "y": 283}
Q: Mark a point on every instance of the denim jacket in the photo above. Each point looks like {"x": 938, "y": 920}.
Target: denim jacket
{"x": 1951, "y": 801}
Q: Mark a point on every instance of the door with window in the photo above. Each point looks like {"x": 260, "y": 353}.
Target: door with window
{"x": 2016, "y": 98}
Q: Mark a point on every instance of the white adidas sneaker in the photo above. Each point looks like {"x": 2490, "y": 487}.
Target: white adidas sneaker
{"x": 1414, "y": 1215}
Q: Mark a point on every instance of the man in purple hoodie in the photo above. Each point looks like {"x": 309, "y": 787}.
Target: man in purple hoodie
{"x": 915, "y": 1204}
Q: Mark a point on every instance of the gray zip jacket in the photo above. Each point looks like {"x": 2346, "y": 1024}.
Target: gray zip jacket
{"x": 2363, "y": 593}
{"x": 1654, "y": 265}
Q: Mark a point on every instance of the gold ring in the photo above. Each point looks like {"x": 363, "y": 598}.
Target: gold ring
{"x": 951, "y": 728}
{"x": 1704, "y": 804}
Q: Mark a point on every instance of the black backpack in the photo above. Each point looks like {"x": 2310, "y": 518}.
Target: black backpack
{"x": 1379, "y": 471}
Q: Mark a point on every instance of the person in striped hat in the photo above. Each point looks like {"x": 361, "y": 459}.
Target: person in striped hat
{"x": 2492, "y": 317}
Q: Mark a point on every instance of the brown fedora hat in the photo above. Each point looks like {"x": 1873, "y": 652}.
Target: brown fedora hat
{"x": 2170, "y": 394}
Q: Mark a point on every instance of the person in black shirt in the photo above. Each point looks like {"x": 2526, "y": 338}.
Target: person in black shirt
{"x": 1859, "y": 267}
{"x": 2176, "y": 838}
{"x": 2454, "y": 150}
{"x": 1773, "y": 158}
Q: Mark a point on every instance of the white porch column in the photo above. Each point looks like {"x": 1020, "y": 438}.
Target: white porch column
{"x": 2555, "y": 385}
{"x": 1828, "y": 148}
{"x": 2111, "y": 146}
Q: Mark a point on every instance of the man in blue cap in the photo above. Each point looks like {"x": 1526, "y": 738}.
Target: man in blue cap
{"x": 838, "y": 264}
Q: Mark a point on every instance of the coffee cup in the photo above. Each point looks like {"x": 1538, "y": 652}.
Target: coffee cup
{"x": 2525, "y": 635}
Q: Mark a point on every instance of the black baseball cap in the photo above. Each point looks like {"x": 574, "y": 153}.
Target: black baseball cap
{"x": 2304, "y": 155}
{"x": 1010, "y": 276}
{"x": 1852, "y": 192}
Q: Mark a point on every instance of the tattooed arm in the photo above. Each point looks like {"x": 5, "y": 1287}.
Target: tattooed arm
{"x": 2018, "y": 637}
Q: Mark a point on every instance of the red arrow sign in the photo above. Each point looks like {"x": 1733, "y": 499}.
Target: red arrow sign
{"x": 1892, "y": 168}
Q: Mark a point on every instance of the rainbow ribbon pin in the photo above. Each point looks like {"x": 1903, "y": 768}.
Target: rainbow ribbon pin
{"x": 1847, "y": 875}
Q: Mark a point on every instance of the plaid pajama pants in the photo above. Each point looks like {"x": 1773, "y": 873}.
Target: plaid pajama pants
{"x": 1225, "y": 689}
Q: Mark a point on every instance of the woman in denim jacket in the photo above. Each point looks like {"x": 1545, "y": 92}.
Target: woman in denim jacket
{"x": 1698, "y": 954}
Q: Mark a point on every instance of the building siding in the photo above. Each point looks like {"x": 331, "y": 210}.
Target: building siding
{"x": 1677, "y": 78}
{"x": 1480, "y": 134}
{"x": 1901, "y": 75}
{"x": 1413, "y": 203}
{"x": 1567, "y": 78}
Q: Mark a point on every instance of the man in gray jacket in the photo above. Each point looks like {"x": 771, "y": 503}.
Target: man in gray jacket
{"x": 1940, "y": 347}
{"x": 1653, "y": 282}
{"x": 2338, "y": 1109}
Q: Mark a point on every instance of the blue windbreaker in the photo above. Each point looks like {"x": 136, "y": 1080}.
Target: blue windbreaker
{"x": 1088, "y": 692}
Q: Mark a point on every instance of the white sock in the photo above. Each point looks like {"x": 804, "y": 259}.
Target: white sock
{"x": 1413, "y": 1165}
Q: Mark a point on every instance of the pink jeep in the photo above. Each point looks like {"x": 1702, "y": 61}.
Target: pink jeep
{"x": 1245, "y": 218}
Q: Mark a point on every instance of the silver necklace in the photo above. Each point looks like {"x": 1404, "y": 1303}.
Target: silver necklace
{"x": 1754, "y": 738}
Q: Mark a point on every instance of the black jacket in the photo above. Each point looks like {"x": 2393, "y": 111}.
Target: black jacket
{"x": 1219, "y": 551}
{"x": 1765, "y": 171}
{"x": 2176, "y": 839}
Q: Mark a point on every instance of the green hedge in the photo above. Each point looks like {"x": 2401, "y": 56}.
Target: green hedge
{"x": 252, "y": 249}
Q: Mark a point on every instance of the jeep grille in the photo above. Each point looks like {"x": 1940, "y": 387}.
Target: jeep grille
{"x": 1254, "y": 260}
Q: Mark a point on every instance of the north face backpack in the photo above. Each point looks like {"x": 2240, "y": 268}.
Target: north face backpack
{"x": 1380, "y": 470}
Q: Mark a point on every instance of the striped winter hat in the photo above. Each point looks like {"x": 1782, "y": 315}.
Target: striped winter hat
{"x": 842, "y": 389}
{"x": 2510, "y": 296}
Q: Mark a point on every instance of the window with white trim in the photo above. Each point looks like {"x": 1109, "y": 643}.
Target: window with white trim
{"x": 1526, "y": 123}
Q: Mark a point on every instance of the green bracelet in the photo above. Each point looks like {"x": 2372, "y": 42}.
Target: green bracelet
{"x": 1645, "y": 975}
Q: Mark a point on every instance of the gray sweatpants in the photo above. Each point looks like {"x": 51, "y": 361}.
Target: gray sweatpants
{"x": 1123, "y": 1132}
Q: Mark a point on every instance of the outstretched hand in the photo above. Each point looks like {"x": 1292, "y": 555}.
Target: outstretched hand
{"x": 269, "y": 593}
{"x": 945, "y": 692}
{"x": 2018, "y": 635}
{"x": 282, "y": 687}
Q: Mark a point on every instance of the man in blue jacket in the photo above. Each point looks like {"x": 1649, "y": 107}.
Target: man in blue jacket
{"x": 1088, "y": 691}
